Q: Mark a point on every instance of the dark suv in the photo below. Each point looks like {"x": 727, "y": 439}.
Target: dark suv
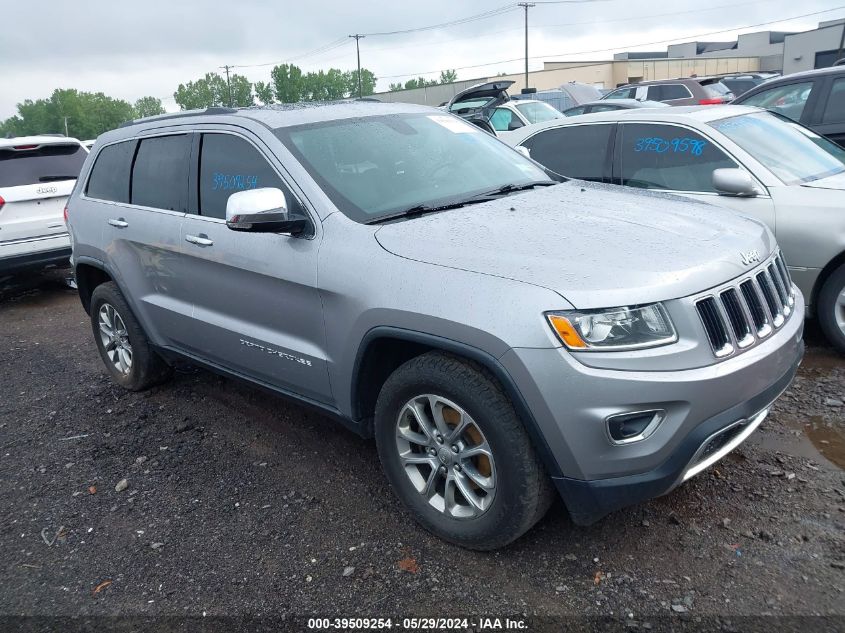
{"x": 686, "y": 91}
{"x": 815, "y": 98}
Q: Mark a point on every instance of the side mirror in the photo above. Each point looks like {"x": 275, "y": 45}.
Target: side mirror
{"x": 523, "y": 150}
{"x": 261, "y": 211}
{"x": 734, "y": 181}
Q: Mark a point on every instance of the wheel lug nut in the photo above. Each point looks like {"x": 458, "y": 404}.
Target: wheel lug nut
{"x": 432, "y": 452}
{"x": 454, "y": 449}
{"x": 442, "y": 470}
{"x": 457, "y": 468}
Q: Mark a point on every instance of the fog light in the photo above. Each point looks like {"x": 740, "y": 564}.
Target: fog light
{"x": 625, "y": 428}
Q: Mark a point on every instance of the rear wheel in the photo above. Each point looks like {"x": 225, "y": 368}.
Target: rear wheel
{"x": 831, "y": 308}
{"x": 456, "y": 453}
{"x": 123, "y": 346}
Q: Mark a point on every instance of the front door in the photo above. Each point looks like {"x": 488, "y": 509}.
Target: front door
{"x": 256, "y": 307}
{"x": 672, "y": 158}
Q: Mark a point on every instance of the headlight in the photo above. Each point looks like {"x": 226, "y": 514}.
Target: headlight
{"x": 633, "y": 327}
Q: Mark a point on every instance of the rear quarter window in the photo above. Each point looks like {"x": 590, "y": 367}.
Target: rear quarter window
{"x": 109, "y": 178}
{"x": 26, "y": 165}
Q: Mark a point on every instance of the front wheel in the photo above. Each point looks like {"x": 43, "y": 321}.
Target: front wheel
{"x": 831, "y": 308}
{"x": 456, "y": 453}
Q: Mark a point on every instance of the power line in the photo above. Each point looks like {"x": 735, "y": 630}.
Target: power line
{"x": 615, "y": 48}
{"x": 472, "y": 18}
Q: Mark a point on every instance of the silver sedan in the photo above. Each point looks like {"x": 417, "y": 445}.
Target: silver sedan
{"x": 746, "y": 159}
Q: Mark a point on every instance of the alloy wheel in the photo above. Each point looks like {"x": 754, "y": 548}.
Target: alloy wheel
{"x": 115, "y": 338}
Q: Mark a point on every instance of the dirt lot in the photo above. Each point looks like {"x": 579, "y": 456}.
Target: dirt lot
{"x": 241, "y": 504}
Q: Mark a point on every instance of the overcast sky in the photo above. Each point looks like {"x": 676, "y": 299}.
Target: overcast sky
{"x": 104, "y": 45}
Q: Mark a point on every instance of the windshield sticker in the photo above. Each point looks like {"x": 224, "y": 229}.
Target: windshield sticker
{"x": 676, "y": 145}
{"x": 229, "y": 182}
{"x": 454, "y": 125}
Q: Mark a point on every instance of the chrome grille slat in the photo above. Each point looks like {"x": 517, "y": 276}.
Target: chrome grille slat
{"x": 745, "y": 311}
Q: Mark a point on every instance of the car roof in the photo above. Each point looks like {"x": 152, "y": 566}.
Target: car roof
{"x": 272, "y": 116}
{"x": 40, "y": 139}
{"x": 674, "y": 114}
{"x": 832, "y": 70}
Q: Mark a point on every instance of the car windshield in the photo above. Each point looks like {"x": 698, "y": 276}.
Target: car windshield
{"x": 538, "y": 111}
{"x": 792, "y": 152}
{"x": 717, "y": 89}
{"x": 377, "y": 166}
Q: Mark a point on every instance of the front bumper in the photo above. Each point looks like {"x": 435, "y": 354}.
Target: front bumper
{"x": 570, "y": 402}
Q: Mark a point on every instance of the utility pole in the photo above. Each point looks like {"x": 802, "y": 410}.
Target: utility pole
{"x": 526, "y": 6}
{"x": 66, "y": 134}
{"x": 358, "y": 53}
{"x": 228, "y": 84}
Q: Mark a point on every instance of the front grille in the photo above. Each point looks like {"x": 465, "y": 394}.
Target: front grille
{"x": 747, "y": 311}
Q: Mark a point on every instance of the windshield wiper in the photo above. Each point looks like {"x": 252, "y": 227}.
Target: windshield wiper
{"x": 422, "y": 209}
{"x": 51, "y": 178}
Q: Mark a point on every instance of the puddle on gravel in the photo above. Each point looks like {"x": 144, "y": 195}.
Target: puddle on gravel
{"x": 812, "y": 439}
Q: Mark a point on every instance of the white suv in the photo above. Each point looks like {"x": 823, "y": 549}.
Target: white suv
{"x": 37, "y": 174}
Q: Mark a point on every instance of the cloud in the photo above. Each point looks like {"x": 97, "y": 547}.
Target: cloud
{"x": 150, "y": 48}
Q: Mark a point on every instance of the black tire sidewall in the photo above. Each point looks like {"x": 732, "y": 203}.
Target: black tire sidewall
{"x": 827, "y": 306}
{"x": 145, "y": 365}
{"x": 501, "y": 523}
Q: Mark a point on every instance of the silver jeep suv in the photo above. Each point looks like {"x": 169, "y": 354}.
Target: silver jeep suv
{"x": 501, "y": 335}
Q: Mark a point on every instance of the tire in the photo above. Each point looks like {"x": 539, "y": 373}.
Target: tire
{"x": 831, "y": 308}
{"x": 463, "y": 393}
{"x": 144, "y": 368}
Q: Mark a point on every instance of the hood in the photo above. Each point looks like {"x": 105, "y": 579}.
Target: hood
{"x": 835, "y": 182}
{"x": 595, "y": 245}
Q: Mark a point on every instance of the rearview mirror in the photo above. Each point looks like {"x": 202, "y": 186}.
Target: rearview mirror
{"x": 262, "y": 210}
{"x": 523, "y": 150}
{"x": 734, "y": 181}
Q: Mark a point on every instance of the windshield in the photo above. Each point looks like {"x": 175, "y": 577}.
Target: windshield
{"x": 538, "y": 111}
{"x": 717, "y": 89}
{"x": 792, "y": 152}
{"x": 372, "y": 167}
{"x": 30, "y": 165}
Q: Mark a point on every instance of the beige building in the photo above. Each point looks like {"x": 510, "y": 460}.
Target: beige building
{"x": 601, "y": 74}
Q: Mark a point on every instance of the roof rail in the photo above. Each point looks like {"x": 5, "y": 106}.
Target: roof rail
{"x": 183, "y": 113}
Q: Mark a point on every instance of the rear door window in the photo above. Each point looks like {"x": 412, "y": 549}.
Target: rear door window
{"x": 229, "y": 164}
{"x": 668, "y": 157}
{"x": 788, "y": 100}
{"x": 109, "y": 178}
{"x": 576, "y": 151}
{"x": 34, "y": 164}
{"x": 160, "y": 174}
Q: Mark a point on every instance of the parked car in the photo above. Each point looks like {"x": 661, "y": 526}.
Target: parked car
{"x": 815, "y": 98}
{"x": 613, "y": 104}
{"x": 567, "y": 95}
{"x": 677, "y": 92}
{"x": 489, "y": 105}
{"x": 498, "y": 333}
{"x": 89, "y": 144}
{"x": 740, "y": 83}
{"x": 37, "y": 174}
{"x": 749, "y": 160}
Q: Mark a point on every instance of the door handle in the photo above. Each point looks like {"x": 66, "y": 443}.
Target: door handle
{"x": 199, "y": 240}
{"x": 120, "y": 223}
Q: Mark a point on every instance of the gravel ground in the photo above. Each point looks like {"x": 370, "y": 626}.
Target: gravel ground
{"x": 205, "y": 496}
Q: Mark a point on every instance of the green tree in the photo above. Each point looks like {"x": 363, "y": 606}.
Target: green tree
{"x": 448, "y": 76}
{"x": 148, "y": 106}
{"x": 287, "y": 83}
{"x": 264, "y": 92}
{"x": 368, "y": 82}
{"x": 212, "y": 90}
{"x": 419, "y": 82}
{"x": 88, "y": 114}
{"x": 394, "y": 87}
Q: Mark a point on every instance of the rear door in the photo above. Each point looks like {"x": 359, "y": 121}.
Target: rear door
{"x": 141, "y": 220}
{"x": 574, "y": 151}
{"x": 677, "y": 159}
{"x": 35, "y": 182}
{"x": 256, "y": 307}
{"x": 828, "y": 118}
